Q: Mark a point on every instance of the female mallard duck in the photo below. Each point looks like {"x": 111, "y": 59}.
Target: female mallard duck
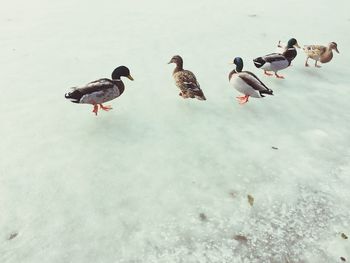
{"x": 101, "y": 90}
{"x": 275, "y": 61}
{"x": 186, "y": 81}
{"x": 247, "y": 83}
{"x": 320, "y": 53}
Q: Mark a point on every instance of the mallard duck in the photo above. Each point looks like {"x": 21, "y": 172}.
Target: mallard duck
{"x": 101, "y": 90}
{"x": 247, "y": 83}
{"x": 186, "y": 81}
{"x": 320, "y": 53}
{"x": 276, "y": 61}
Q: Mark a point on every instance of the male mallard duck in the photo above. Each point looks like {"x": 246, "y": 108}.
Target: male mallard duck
{"x": 186, "y": 81}
{"x": 275, "y": 61}
{"x": 101, "y": 90}
{"x": 320, "y": 53}
{"x": 247, "y": 83}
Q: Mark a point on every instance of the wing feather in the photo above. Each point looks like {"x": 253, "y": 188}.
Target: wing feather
{"x": 253, "y": 81}
{"x": 188, "y": 78}
{"x": 96, "y": 86}
{"x": 314, "y": 50}
{"x": 273, "y": 57}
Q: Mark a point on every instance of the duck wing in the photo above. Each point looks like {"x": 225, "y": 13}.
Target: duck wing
{"x": 314, "y": 50}
{"x": 97, "y": 86}
{"x": 273, "y": 57}
{"x": 196, "y": 92}
{"x": 188, "y": 79}
{"x": 253, "y": 81}
{"x": 189, "y": 85}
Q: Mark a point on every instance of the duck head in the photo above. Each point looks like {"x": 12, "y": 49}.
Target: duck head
{"x": 334, "y": 46}
{"x": 121, "y": 71}
{"x": 293, "y": 43}
{"x": 238, "y": 61}
{"x": 176, "y": 59}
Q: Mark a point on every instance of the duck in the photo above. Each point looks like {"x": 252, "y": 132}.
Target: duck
{"x": 247, "y": 83}
{"x": 320, "y": 53}
{"x": 100, "y": 91}
{"x": 278, "y": 61}
{"x": 186, "y": 81}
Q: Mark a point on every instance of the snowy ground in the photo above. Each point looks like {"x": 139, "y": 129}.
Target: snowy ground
{"x": 159, "y": 178}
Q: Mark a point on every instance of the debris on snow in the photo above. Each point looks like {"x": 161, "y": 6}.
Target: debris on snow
{"x": 250, "y": 200}
{"x": 12, "y": 236}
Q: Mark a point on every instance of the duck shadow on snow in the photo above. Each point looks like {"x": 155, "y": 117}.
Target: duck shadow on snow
{"x": 316, "y": 74}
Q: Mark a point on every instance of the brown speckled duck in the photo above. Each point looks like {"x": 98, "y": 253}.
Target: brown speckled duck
{"x": 186, "y": 81}
{"x": 101, "y": 90}
{"x": 320, "y": 53}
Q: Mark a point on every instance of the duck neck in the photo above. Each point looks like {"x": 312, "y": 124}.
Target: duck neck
{"x": 116, "y": 76}
{"x": 290, "y": 53}
{"x": 239, "y": 68}
{"x": 118, "y": 84}
{"x": 329, "y": 50}
{"x": 179, "y": 66}
{"x": 290, "y": 45}
{"x": 231, "y": 74}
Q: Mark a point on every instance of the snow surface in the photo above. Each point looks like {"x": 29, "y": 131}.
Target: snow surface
{"x": 159, "y": 178}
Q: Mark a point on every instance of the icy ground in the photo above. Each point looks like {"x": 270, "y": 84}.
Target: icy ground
{"x": 159, "y": 178}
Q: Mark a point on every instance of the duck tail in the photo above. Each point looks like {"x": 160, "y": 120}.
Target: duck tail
{"x": 73, "y": 96}
{"x": 201, "y": 97}
{"x": 267, "y": 92}
{"x": 259, "y": 62}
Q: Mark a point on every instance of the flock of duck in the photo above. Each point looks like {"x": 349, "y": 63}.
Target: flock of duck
{"x": 102, "y": 90}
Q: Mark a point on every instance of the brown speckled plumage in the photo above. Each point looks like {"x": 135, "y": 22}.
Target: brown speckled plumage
{"x": 186, "y": 81}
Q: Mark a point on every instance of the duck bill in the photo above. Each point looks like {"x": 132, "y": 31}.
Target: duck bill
{"x": 336, "y": 49}
{"x": 129, "y": 77}
{"x": 297, "y": 45}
